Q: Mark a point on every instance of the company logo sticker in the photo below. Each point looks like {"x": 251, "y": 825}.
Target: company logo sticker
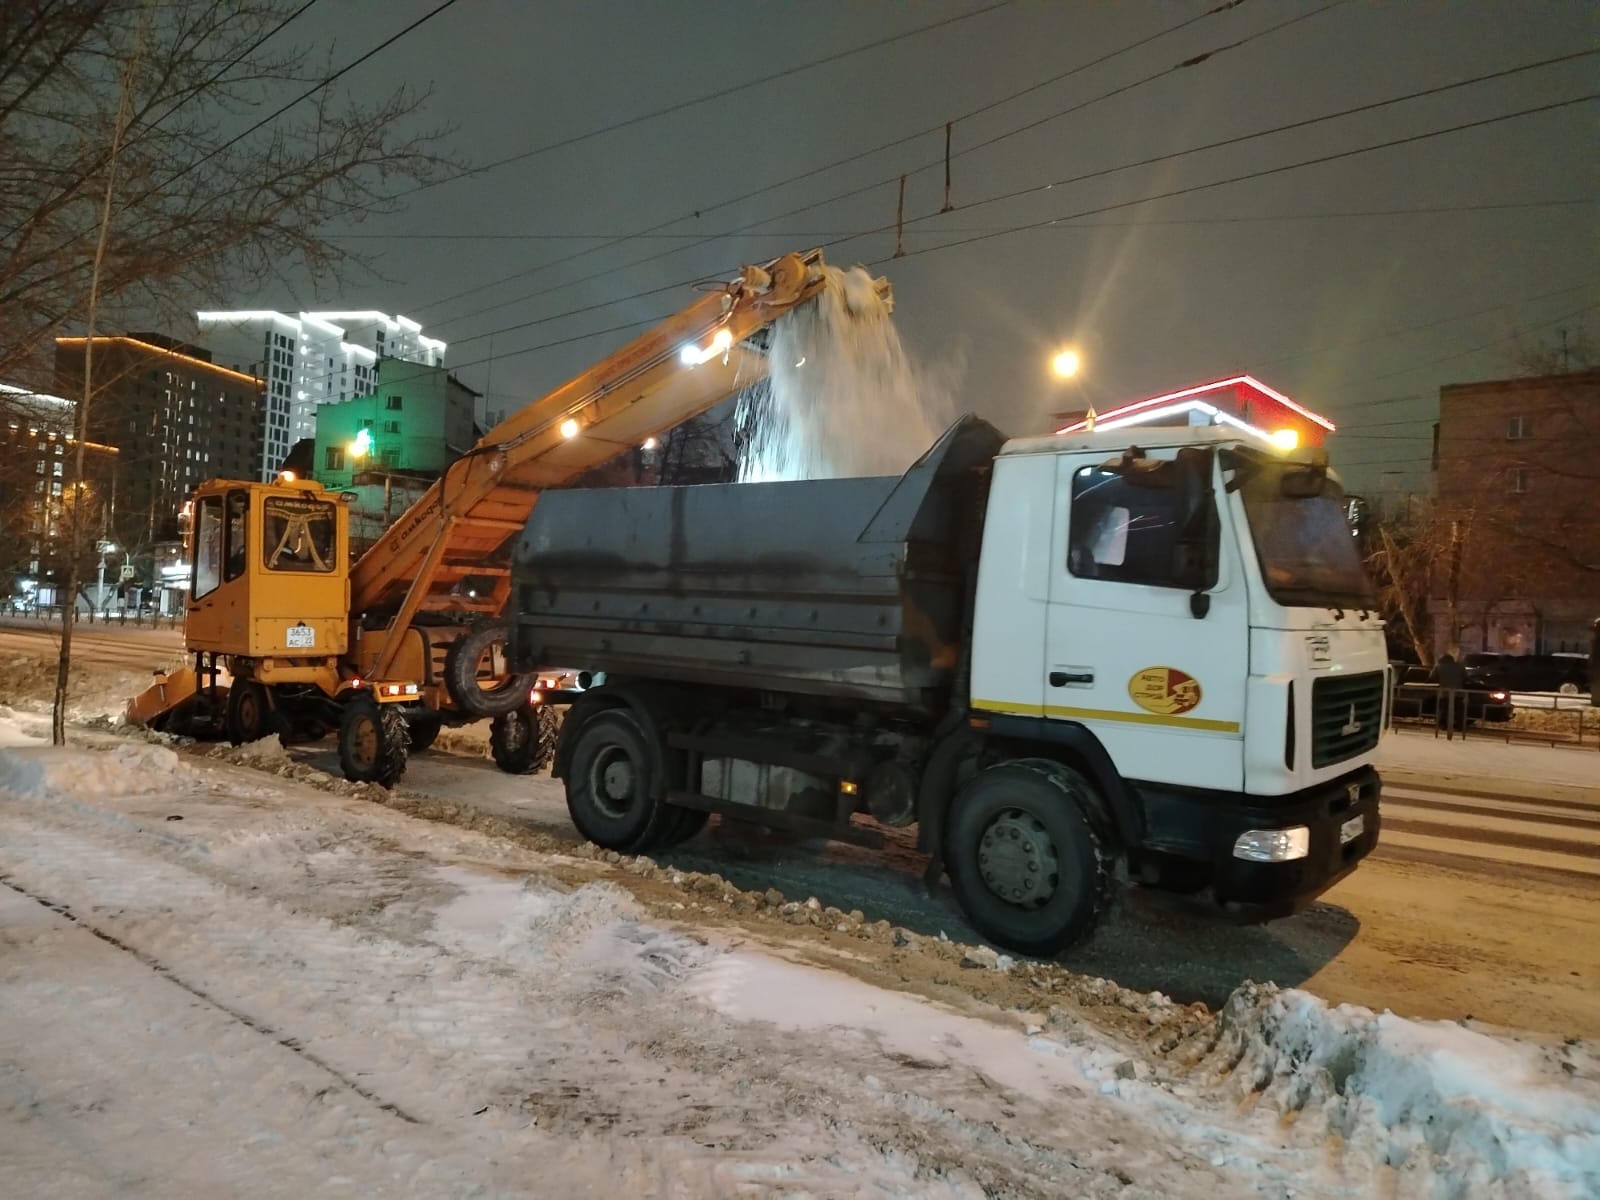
{"x": 1165, "y": 691}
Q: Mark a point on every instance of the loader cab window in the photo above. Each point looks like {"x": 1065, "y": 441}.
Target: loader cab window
{"x": 297, "y": 534}
{"x": 207, "y": 547}
{"x": 236, "y": 536}
{"x": 1136, "y": 533}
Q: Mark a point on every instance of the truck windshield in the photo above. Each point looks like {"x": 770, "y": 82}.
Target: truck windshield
{"x": 1308, "y": 553}
{"x": 297, "y": 534}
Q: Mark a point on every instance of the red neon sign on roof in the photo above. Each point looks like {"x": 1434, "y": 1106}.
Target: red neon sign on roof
{"x": 1194, "y": 396}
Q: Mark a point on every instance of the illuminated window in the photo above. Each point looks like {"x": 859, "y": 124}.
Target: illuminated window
{"x": 1517, "y": 480}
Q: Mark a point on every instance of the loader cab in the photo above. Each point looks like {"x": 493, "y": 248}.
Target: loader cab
{"x": 269, "y": 570}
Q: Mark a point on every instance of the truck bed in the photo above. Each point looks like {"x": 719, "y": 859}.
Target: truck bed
{"x": 853, "y": 588}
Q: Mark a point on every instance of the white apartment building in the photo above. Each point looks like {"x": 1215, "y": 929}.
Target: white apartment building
{"x": 310, "y": 358}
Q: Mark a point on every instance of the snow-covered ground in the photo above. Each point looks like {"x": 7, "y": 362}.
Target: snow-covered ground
{"x": 1418, "y": 752}
{"x": 217, "y": 981}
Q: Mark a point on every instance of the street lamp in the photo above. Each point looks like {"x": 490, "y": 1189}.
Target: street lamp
{"x": 105, "y": 548}
{"x": 1065, "y": 363}
{"x": 360, "y": 448}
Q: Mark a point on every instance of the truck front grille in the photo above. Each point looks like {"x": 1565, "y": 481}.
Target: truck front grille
{"x": 1346, "y": 716}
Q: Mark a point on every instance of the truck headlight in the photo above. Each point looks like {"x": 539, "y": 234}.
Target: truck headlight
{"x": 1273, "y": 845}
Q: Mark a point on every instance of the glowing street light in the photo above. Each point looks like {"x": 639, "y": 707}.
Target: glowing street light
{"x": 1066, "y": 363}
{"x": 649, "y": 443}
{"x": 1286, "y": 439}
{"x": 362, "y": 446}
{"x": 569, "y": 428}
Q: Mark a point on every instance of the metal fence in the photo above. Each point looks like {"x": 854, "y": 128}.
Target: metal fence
{"x": 1458, "y": 712}
{"x": 117, "y": 618}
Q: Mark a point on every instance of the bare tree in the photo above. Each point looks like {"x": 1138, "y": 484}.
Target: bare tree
{"x": 137, "y": 182}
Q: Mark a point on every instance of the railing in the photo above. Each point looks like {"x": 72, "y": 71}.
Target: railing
{"x": 1455, "y": 711}
{"x": 117, "y": 618}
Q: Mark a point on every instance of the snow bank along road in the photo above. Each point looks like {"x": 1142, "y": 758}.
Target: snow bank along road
{"x": 1483, "y": 898}
{"x": 218, "y": 982}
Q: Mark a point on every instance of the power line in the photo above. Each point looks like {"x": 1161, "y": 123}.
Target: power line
{"x": 802, "y": 234}
{"x": 313, "y": 90}
{"x": 810, "y": 173}
{"x": 235, "y": 61}
{"x": 1099, "y": 209}
{"x": 1007, "y": 231}
{"x": 719, "y": 94}
{"x": 1106, "y": 171}
{"x": 1318, "y": 160}
{"x": 1405, "y": 329}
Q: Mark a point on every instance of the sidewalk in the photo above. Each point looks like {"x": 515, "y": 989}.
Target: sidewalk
{"x": 1416, "y": 756}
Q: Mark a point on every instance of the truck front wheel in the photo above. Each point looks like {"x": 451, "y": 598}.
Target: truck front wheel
{"x": 609, "y": 783}
{"x": 1026, "y": 863}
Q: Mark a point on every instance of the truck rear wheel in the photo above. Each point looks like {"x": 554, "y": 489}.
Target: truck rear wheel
{"x": 477, "y": 692}
{"x": 523, "y": 741}
{"x": 372, "y": 743}
{"x": 608, "y": 783}
{"x": 1026, "y": 863}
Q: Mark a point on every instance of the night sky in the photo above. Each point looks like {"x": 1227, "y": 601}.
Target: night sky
{"x": 1360, "y": 316}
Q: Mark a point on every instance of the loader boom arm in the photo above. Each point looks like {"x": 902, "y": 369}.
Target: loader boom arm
{"x": 464, "y": 524}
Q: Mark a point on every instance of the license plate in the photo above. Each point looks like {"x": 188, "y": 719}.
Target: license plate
{"x": 300, "y": 637}
{"x": 1351, "y": 829}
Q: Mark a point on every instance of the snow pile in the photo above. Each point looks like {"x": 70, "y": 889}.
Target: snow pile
{"x": 267, "y": 753}
{"x": 57, "y": 772}
{"x": 1479, "y": 1114}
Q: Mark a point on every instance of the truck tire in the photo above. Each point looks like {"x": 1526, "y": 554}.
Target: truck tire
{"x": 523, "y": 741}
{"x": 1026, "y": 862}
{"x": 461, "y": 674}
{"x": 372, "y": 743}
{"x": 681, "y": 825}
{"x": 248, "y": 717}
{"x": 423, "y": 731}
{"x": 609, "y": 782}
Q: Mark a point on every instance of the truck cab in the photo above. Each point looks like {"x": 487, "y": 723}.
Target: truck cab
{"x": 1195, "y": 606}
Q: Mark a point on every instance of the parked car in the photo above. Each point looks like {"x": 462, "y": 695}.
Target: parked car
{"x": 1417, "y": 697}
{"x": 1564, "y": 673}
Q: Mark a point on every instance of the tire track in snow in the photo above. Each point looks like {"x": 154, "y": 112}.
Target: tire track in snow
{"x": 172, "y": 977}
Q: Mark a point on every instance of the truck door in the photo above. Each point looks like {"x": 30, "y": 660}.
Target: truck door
{"x": 1139, "y": 552}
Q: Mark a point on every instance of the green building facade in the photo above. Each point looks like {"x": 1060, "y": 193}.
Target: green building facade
{"x": 418, "y": 420}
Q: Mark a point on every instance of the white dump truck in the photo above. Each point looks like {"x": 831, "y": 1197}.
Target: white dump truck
{"x": 1071, "y": 661}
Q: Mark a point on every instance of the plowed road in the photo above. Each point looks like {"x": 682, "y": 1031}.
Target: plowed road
{"x": 134, "y": 648}
{"x": 1482, "y": 898}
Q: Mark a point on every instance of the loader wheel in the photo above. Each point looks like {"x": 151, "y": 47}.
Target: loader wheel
{"x": 423, "y": 731}
{"x": 248, "y": 719}
{"x": 523, "y": 741}
{"x": 608, "y": 783}
{"x": 478, "y": 659}
{"x": 1025, "y": 860}
{"x": 372, "y": 743}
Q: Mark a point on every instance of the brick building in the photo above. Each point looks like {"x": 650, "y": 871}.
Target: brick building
{"x": 37, "y": 454}
{"x": 1517, "y": 482}
{"x": 178, "y": 419}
